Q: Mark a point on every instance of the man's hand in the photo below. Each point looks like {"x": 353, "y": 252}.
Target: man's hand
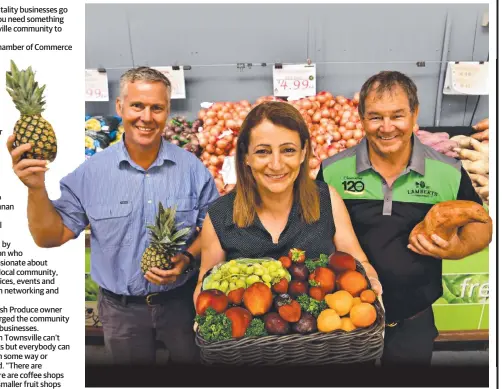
{"x": 438, "y": 247}
{"x": 30, "y": 171}
{"x": 163, "y": 277}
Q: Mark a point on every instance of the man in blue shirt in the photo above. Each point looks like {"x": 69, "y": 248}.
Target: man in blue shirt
{"x": 117, "y": 192}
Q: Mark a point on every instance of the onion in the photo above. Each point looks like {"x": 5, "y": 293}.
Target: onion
{"x": 203, "y": 141}
{"x": 325, "y": 113}
{"x": 215, "y": 131}
{"x": 321, "y": 98}
{"x": 213, "y": 160}
{"x": 350, "y": 125}
{"x": 210, "y": 121}
{"x": 221, "y": 144}
{"x": 311, "y": 98}
{"x": 306, "y": 104}
{"x": 221, "y": 159}
{"x": 323, "y": 156}
{"x": 229, "y": 138}
{"x": 347, "y": 134}
{"x": 243, "y": 114}
{"x": 310, "y": 112}
{"x": 331, "y": 103}
{"x": 230, "y": 123}
{"x": 234, "y": 141}
{"x": 205, "y": 162}
{"x": 359, "y": 125}
{"x": 216, "y": 106}
{"x": 320, "y": 139}
{"x": 351, "y": 142}
{"x": 232, "y": 152}
{"x": 342, "y": 129}
{"x": 358, "y": 134}
{"x": 219, "y": 151}
{"x": 324, "y": 121}
{"x": 316, "y": 117}
{"x": 220, "y": 114}
{"x": 227, "y": 116}
{"x": 340, "y": 100}
{"x": 336, "y": 136}
{"x": 210, "y": 148}
{"x": 332, "y": 151}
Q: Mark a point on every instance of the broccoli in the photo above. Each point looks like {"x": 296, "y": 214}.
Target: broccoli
{"x": 310, "y": 305}
{"x": 322, "y": 261}
{"x": 214, "y": 326}
{"x": 256, "y": 328}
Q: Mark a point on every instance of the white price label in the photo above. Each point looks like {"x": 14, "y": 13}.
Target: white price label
{"x": 296, "y": 81}
{"x": 96, "y": 85}
{"x": 466, "y": 78}
{"x": 228, "y": 171}
{"x": 177, "y": 79}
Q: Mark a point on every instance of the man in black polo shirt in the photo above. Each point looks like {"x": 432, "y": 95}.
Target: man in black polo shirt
{"x": 389, "y": 182}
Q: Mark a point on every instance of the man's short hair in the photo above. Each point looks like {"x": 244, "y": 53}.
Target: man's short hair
{"x": 384, "y": 82}
{"x": 143, "y": 73}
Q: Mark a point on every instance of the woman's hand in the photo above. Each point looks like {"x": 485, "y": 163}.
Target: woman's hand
{"x": 373, "y": 277}
{"x": 197, "y": 291}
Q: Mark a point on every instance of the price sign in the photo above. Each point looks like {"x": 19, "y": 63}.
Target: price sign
{"x": 177, "y": 79}
{"x": 466, "y": 78}
{"x": 96, "y": 85}
{"x": 295, "y": 81}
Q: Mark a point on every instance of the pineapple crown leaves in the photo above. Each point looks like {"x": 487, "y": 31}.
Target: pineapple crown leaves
{"x": 165, "y": 233}
{"x": 24, "y": 90}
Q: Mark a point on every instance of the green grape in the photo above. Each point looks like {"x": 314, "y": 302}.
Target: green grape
{"x": 215, "y": 285}
{"x": 233, "y": 262}
{"x": 273, "y": 274}
{"x": 268, "y": 284}
{"x": 266, "y": 278}
{"x": 249, "y": 270}
{"x": 258, "y": 271}
{"x": 281, "y": 273}
{"x": 234, "y": 270}
{"x": 216, "y": 277}
{"x": 266, "y": 264}
{"x": 272, "y": 267}
{"x": 232, "y": 286}
{"x": 224, "y": 286}
{"x": 266, "y": 271}
{"x": 240, "y": 283}
{"x": 242, "y": 267}
{"x": 252, "y": 279}
{"x": 234, "y": 278}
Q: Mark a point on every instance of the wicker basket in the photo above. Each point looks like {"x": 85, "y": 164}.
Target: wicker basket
{"x": 337, "y": 347}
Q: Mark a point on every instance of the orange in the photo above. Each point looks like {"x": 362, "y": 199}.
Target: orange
{"x": 353, "y": 282}
{"x": 363, "y": 315}
{"x": 347, "y": 324}
{"x": 356, "y": 300}
{"x": 368, "y": 296}
{"x": 328, "y": 321}
{"x": 340, "y": 301}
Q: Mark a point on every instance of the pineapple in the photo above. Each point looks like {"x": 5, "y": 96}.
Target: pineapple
{"x": 164, "y": 240}
{"x": 31, "y": 127}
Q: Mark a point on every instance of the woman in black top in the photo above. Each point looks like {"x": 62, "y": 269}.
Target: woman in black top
{"x": 276, "y": 206}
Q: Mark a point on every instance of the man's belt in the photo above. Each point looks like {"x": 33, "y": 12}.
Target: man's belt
{"x": 149, "y": 299}
{"x": 395, "y": 323}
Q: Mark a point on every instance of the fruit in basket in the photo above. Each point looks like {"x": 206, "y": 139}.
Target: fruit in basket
{"x": 296, "y": 255}
{"x": 325, "y": 278}
{"x": 286, "y": 262}
{"x": 310, "y": 305}
{"x": 328, "y": 321}
{"x": 211, "y": 298}
{"x": 363, "y": 315}
{"x": 235, "y": 296}
{"x": 306, "y": 325}
{"x": 281, "y": 286}
{"x": 240, "y": 318}
{"x": 347, "y": 324}
{"x": 367, "y": 296}
{"x": 258, "y": 298}
{"x": 316, "y": 293}
{"x": 340, "y": 261}
{"x": 256, "y": 328}
{"x": 341, "y": 301}
{"x": 299, "y": 271}
{"x": 165, "y": 240}
{"x": 297, "y": 287}
{"x": 214, "y": 326}
{"x": 289, "y": 309}
{"x": 356, "y": 300}
{"x": 353, "y": 282}
{"x": 31, "y": 127}
{"x": 275, "y": 324}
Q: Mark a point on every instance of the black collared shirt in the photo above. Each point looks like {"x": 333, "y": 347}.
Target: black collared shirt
{"x": 256, "y": 242}
{"x": 384, "y": 216}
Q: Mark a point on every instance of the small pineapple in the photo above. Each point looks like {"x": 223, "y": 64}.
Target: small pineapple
{"x": 31, "y": 127}
{"x": 164, "y": 240}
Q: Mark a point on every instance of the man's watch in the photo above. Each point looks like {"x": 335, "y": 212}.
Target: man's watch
{"x": 192, "y": 265}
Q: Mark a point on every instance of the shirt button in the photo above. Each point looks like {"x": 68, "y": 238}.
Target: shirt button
{"x": 149, "y": 201}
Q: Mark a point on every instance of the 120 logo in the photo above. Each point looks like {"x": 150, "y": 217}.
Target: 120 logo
{"x": 353, "y": 186}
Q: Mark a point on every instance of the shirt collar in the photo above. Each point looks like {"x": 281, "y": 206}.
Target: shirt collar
{"x": 166, "y": 153}
{"x": 417, "y": 160}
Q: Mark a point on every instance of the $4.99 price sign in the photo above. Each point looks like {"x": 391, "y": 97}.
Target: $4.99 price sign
{"x": 295, "y": 81}
{"x": 96, "y": 85}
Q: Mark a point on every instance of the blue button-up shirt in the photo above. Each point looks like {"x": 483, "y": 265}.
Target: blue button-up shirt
{"x": 118, "y": 198}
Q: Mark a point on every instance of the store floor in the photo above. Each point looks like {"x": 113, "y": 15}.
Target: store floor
{"x": 96, "y": 354}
